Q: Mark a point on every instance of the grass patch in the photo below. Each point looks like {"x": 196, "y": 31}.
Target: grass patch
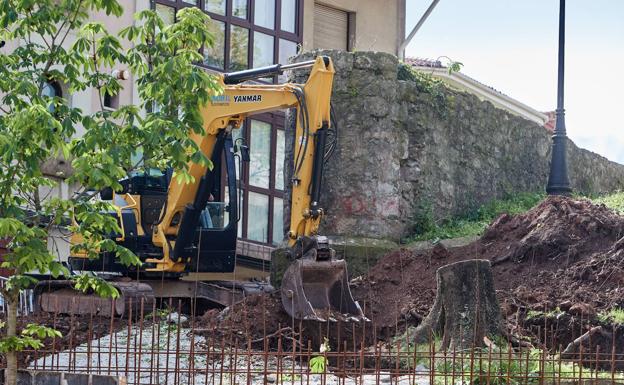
{"x": 613, "y": 316}
{"x": 505, "y": 366}
{"x": 426, "y": 228}
{"x": 555, "y": 313}
{"x": 496, "y": 364}
{"x": 473, "y": 223}
{"x": 415, "y": 354}
{"x": 613, "y": 201}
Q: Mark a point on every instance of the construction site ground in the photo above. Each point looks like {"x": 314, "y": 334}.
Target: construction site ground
{"x": 558, "y": 266}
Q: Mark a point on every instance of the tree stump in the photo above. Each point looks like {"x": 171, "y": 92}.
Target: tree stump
{"x": 465, "y": 309}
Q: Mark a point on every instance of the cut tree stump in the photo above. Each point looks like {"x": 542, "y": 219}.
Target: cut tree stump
{"x": 465, "y": 309}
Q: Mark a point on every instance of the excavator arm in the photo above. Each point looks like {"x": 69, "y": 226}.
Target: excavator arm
{"x": 315, "y": 286}
{"x": 226, "y": 112}
{"x": 165, "y": 222}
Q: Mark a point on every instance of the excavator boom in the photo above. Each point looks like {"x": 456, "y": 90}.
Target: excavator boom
{"x": 178, "y": 228}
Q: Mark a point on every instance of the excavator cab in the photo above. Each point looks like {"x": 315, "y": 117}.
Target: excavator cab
{"x": 207, "y": 244}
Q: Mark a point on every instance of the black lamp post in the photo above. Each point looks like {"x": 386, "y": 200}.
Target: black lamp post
{"x": 558, "y": 182}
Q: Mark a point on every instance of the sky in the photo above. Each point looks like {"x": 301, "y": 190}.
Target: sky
{"x": 511, "y": 45}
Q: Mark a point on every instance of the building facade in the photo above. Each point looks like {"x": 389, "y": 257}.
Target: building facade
{"x": 252, "y": 33}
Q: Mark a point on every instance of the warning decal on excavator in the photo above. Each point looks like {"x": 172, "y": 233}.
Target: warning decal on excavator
{"x": 222, "y": 100}
{"x": 247, "y": 98}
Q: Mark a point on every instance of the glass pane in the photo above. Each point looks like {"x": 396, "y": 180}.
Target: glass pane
{"x": 226, "y": 215}
{"x": 167, "y": 14}
{"x": 260, "y": 150}
{"x": 239, "y": 41}
{"x": 287, "y": 49}
{"x": 194, "y": 2}
{"x": 279, "y": 160}
{"x": 215, "y": 56}
{"x": 278, "y": 220}
{"x": 238, "y": 134}
{"x": 239, "y": 8}
{"x": 264, "y": 13}
{"x": 263, "y": 50}
{"x": 214, "y": 216}
{"x": 289, "y": 15}
{"x": 258, "y": 217}
{"x": 216, "y": 6}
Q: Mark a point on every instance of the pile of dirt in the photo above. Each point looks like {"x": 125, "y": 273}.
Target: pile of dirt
{"x": 562, "y": 253}
{"x": 524, "y": 249}
{"x": 261, "y": 321}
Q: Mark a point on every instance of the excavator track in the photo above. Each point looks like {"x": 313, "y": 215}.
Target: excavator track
{"x": 60, "y": 297}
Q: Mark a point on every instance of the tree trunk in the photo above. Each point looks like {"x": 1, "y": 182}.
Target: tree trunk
{"x": 11, "y": 331}
{"x": 465, "y": 309}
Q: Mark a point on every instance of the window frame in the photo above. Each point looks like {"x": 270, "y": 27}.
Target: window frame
{"x": 277, "y": 123}
{"x": 276, "y": 119}
{"x": 277, "y": 33}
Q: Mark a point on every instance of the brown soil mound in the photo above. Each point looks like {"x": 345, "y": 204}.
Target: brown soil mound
{"x": 560, "y": 253}
{"x": 261, "y": 320}
{"x": 554, "y": 235}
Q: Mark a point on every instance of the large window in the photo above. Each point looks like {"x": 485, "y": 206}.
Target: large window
{"x": 248, "y": 33}
{"x": 253, "y": 33}
{"x": 262, "y": 179}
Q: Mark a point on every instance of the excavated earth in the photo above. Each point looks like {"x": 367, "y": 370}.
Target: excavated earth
{"x": 556, "y": 267}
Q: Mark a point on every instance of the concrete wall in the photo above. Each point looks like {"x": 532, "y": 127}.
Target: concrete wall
{"x": 406, "y": 149}
{"x": 379, "y": 24}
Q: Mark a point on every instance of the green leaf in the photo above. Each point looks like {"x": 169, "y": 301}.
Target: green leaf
{"x": 318, "y": 364}
{"x": 88, "y": 283}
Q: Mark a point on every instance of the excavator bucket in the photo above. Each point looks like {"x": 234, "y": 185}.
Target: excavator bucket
{"x": 319, "y": 290}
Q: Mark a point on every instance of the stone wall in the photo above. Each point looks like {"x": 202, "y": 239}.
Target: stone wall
{"x": 405, "y": 149}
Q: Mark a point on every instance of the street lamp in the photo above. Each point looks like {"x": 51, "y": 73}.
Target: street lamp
{"x": 558, "y": 182}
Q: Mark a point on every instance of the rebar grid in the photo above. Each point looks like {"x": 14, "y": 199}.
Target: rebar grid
{"x": 155, "y": 346}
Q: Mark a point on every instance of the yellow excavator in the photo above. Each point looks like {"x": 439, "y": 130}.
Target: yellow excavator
{"x": 177, "y": 228}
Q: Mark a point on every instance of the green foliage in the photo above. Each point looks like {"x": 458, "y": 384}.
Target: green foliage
{"x": 415, "y": 354}
{"x": 533, "y": 314}
{"x": 613, "y": 201}
{"x": 58, "y": 43}
{"x": 503, "y": 365}
{"x": 31, "y": 337}
{"x": 318, "y": 364}
{"x": 454, "y": 66}
{"x": 426, "y": 227}
{"x": 89, "y": 283}
{"x": 555, "y": 313}
{"x": 427, "y": 83}
{"x": 472, "y": 223}
{"x": 613, "y": 316}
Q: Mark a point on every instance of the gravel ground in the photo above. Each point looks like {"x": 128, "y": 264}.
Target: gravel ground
{"x": 152, "y": 365}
